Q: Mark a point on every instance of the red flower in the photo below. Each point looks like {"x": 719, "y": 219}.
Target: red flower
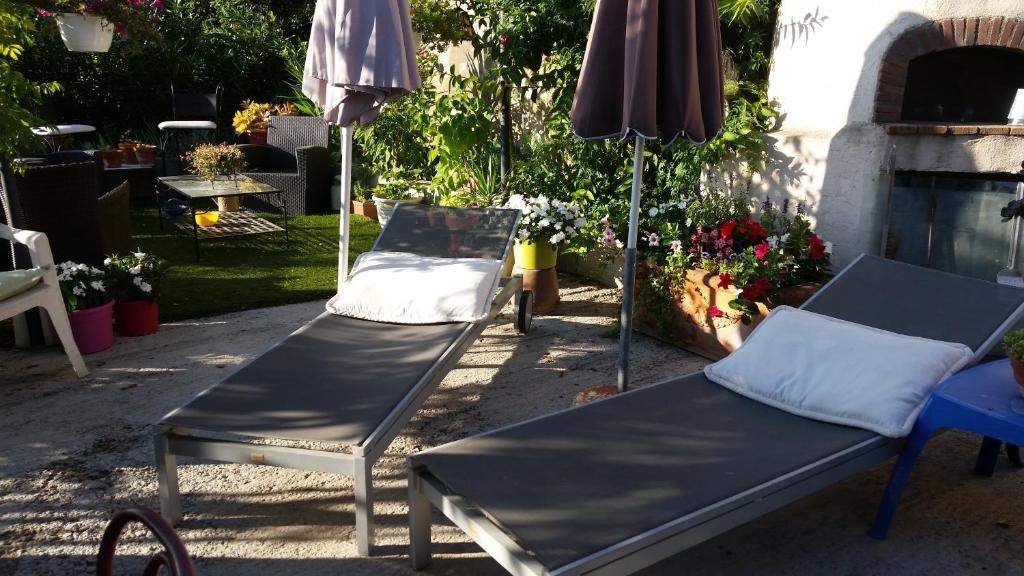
{"x": 817, "y": 246}
{"x": 757, "y": 231}
{"x": 727, "y": 229}
{"x": 761, "y": 250}
{"x": 504, "y": 39}
{"x": 724, "y": 281}
{"x": 756, "y": 289}
{"x": 715, "y": 312}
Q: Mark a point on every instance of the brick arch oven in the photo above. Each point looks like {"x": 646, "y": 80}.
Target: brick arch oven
{"x": 944, "y": 90}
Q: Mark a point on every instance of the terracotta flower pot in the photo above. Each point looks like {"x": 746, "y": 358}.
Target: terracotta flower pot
{"x": 128, "y": 152}
{"x": 112, "y": 158}
{"x": 136, "y": 318}
{"x": 368, "y": 209}
{"x": 257, "y": 135}
{"x": 93, "y": 328}
{"x": 1018, "y": 373}
{"x": 145, "y": 154}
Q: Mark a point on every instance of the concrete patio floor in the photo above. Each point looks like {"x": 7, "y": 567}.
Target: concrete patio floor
{"x": 73, "y": 451}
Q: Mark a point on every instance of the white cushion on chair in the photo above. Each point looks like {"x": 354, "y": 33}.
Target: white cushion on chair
{"x": 62, "y": 130}
{"x": 401, "y": 288}
{"x": 836, "y": 371}
{"x": 187, "y": 125}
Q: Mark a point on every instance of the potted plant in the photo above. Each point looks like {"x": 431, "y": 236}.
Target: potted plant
{"x": 90, "y": 306}
{"x": 389, "y": 194}
{"x": 546, "y": 224}
{"x": 134, "y": 280}
{"x": 145, "y": 154}
{"x": 1013, "y": 342}
{"x": 90, "y": 26}
{"x": 112, "y": 157}
{"x": 127, "y": 147}
{"x": 253, "y": 117}
{"x": 362, "y": 204}
{"x": 709, "y": 272}
{"x": 213, "y": 161}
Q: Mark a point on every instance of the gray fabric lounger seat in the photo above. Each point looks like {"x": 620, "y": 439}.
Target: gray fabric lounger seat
{"x": 620, "y": 484}
{"x": 341, "y": 382}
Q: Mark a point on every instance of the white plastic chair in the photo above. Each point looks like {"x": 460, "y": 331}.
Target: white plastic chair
{"x": 22, "y": 290}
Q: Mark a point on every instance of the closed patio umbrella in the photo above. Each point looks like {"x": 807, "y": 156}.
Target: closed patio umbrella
{"x": 361, "y": 55}
{"x": 652, "y": 70}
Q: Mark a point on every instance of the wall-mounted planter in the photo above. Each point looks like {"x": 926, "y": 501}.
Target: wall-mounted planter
{"x": 84, "y": 32}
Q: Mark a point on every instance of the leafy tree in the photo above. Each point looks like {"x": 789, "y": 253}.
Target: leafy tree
{"x": 17, "y": 93}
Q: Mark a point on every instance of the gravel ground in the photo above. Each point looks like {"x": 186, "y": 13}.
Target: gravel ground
{"x": 73, "y": 451}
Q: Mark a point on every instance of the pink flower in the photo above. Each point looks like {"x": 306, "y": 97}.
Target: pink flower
{"x": 121, "y": 30}
{"x": 609, "y": 236}
{"x": 676, "y": 246}
{"x": 715, "y": 312}
{"x": 761, "y": 250}
{"x": 44, "y": 13}
{"x": 604, "y": 220}
{"x": 653, "y": 240}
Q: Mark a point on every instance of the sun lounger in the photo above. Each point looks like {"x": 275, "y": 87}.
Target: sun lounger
{"x": 617, "y": 485}
{"x": 342, "y": 382}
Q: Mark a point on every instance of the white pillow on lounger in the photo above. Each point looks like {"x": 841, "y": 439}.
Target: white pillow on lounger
{"x": 403, "y": 288}
{"x": 836, "y": 371}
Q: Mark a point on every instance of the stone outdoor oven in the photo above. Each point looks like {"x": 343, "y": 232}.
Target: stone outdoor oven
{"x": 894, "y": 126}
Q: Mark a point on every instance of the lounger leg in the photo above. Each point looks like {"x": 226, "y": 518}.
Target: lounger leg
{"x": 419, "y": 524}
{"x": 988, "y": 457}
{"x": 900, "y": 474}
{"x": 364, "y": 505}
{"x": 167, "y": 479}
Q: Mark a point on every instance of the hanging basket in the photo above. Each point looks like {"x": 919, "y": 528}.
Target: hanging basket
{"x": 85, "y": 33}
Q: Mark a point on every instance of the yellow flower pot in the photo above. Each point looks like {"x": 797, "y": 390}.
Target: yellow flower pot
{"x": 206, "y": 219}
{"x": 530, "y": 256}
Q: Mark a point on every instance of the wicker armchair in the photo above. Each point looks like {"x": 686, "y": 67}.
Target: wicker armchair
{"x": 60, "y": 200}
{"x": 295, "y": 160}
{"x": 115, "y": 219}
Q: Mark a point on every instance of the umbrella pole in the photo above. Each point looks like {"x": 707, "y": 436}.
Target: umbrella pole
{"x": 629, "y": 270}
{"x": 346, "y": 202}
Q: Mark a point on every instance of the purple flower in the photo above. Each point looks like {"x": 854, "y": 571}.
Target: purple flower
{"x": 608, "y": 237}
{"x": 785, "y": 206}
{"x": 653, "y": 240}
{"x": 676, "y": 246}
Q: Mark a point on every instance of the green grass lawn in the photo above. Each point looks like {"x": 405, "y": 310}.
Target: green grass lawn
{"x": 248, "y": 272}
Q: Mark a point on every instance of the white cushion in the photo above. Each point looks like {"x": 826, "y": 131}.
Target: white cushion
{"x": 62, "y": 129}
{"x": 835, "y": 371}
{"x": 187, "y": 125}
{"x": 408, "y": 289}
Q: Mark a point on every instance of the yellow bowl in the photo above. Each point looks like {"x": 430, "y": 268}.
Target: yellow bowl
{"x": 207, "y": 218}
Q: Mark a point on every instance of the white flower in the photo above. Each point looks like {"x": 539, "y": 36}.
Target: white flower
{"x": 828, "y": 247}
{"x": 682, "y": 204}
{"x": 136, "y": 270}
{"x": 784, "y": 238}
{"x": 652, "y": 212}
{"x": 689, "y": 222}
{"x": 146, "y": 287}
{"x": 773, "y": 241}
{"x": 79, "y": 289}
{"x": 137, "y": 280}
{"x": 557, "y": 238}
{"x": 98, "y": 286}
{"x": 107, "y": 261}
{"x": 558, "y": 225}
{"x": 579, "y": 222}
{"x": 524, "y": 235}
{"x": 544, "y": 223}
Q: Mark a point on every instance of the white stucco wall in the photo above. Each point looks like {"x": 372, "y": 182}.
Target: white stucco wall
{"x": 828, "y": 152}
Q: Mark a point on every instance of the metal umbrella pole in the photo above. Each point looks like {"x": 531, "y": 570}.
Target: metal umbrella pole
{"x": 629, "y": 269}
{"x": 346, "y": 201}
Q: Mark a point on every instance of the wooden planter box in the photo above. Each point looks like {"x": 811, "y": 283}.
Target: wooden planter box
{"x": 685, "y": 320}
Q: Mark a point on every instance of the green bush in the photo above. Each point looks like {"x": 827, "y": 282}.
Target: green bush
{"x": 1013, "y": 342}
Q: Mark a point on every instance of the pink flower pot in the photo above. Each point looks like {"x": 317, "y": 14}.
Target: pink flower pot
{"x": 136, "y": 318}
{"x": 93, "y": 328}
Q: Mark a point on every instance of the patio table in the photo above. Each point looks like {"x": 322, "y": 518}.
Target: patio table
{"x": 241, "y": 222}
{"x": 984, "y": 400}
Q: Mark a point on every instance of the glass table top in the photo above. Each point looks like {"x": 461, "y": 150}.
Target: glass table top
{"x": 195, "y": 187}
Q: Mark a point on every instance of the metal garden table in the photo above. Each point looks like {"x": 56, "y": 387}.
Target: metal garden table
{"x": 241, "y": 222}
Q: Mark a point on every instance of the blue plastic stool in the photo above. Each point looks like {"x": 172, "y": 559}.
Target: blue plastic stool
{"x": 984, "y": 400}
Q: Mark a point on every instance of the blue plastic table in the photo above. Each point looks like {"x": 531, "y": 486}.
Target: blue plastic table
{"x": 984, "y": 400}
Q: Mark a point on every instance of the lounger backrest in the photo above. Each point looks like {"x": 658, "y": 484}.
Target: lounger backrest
{"x": 447, "y": 232}
{"x": 918, "y": 301}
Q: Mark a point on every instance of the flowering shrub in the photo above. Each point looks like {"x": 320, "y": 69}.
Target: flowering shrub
{"x": 134, "y": 276}
{"x": 208, "y": 161}
{"x": 547, "y": 220}
{"x": 133, "y": 20}
{"x": 256, "y": 115}
{"x": 82, "y": 286}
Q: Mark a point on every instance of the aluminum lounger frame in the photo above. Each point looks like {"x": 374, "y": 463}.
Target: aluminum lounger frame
{"x": 661, "y": 542}
{"x": 172, "y": 441}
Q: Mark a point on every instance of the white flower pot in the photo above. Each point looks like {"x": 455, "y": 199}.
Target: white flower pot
{"x": 85, "y": 33}
{"x": 385, "y": 206}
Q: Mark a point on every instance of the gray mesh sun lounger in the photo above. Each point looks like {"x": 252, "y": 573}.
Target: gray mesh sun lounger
{"x": 617, "y": 485}
{"x": 342, "y": 382}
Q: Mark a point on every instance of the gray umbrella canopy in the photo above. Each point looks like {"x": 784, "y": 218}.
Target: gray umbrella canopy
{"x": 652, "y": 70}
{"x": 361, "y": 55}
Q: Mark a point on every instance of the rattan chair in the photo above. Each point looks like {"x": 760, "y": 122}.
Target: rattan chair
{"x": 295, "y": 160}
{"x": 114, "y": 211}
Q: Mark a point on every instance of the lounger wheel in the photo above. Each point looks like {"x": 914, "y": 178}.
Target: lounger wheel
{"x": 524, "y": 311}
